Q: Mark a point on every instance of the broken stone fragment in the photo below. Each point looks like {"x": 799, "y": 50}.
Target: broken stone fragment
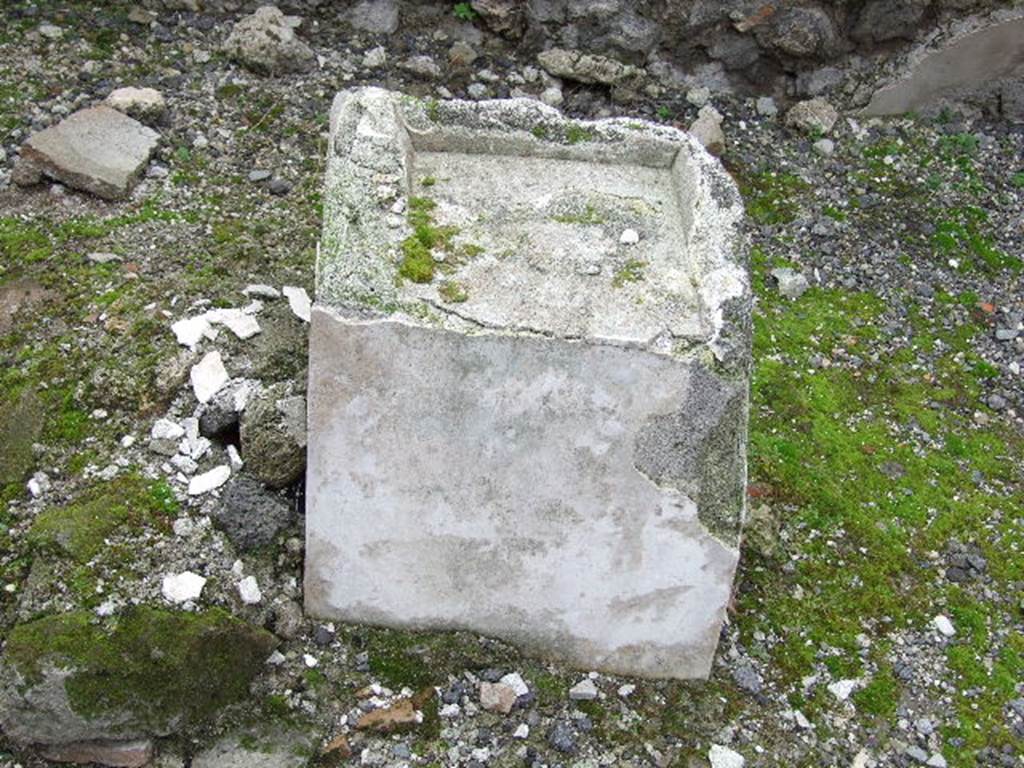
{"x": 182, "y": 587}
{"x": 792, "y": 284}
{"x": 144, "y": 104}
{"x": 209, "y": 481}
{"x": 116, "y": 754}
{"x": 812, "y": 116}
{"x": 208, "y": 376}
{"x": 165, "y": 436}
{"x": 98, "y": 150}
{"x": 298, "y": 301}
{"x": 708, "y": 129}
{"x": 400, "y": 716}
{"x": 587, "y": 68}
{"x": 497, "y": 697}
{"x": 723, "y": 757}
{"x": 266, "y": 43}
{"x": 584, "y": 690}
{"x": 267, "y": 745}
{"x": 249, "y": 591}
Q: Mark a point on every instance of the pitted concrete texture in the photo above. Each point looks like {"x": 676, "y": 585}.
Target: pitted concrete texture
{"x": 98, "y": 149}
{"x": 553, "y": 451}
{"x": 975, "y": 56}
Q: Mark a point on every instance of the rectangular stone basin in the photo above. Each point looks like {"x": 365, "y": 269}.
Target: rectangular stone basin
{"x": 529, "y": 363}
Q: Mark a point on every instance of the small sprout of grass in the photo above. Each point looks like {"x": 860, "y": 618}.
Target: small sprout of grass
{"x": 428, "y": 181}
{"x": 631, "y": 272}
{"x": 539, "y": 131}
{"x": 417, "y": 262}
{"x": 664, "y": 113}
{"x": 588, "y": 215}
{"x": 471, "y": 250}
{"x": 452, "y": 292}
{"x": 1017, "y": 180}
{"x": 434, "y": 110}
{"x": 574, "y": 134}
{"x": 464, "y": 11}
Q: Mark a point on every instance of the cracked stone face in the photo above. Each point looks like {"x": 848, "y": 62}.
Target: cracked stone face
{"x": 538, "y": 433}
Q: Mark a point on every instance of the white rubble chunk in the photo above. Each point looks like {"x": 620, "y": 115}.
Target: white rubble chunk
{"x": 276, "y": 659}
{"x": 164, "y": 437}
{"x": 625, "y": 691}
{"x": 299, "y": 302}
{"x": 208, "y": 376}
{"x": 842, "y": 689}
{"x": 944, "y": 625}
{"x": 249, "y": 591}
{"x": 209, "y": 480}
{"x": 243, "y": 325}
{"x": 515, "y": 681}
{"x": 629, "y": 237}
{"x": 723, "y": 757}
{"x": 182, "y": 587}
{"x": 191, "y": 330}
{"x": 309, "y": 660}
{"x": 260, "y": 291}
{"x": 522, "y": 732}
{"x": 584, "y": 690}
{"x": 234, "y": 459}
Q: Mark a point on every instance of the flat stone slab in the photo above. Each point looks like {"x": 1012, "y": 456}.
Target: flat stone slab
{"x": 99, "y": 150}
{"x": 970, "y": 59}
{"x": 553, "y": 450}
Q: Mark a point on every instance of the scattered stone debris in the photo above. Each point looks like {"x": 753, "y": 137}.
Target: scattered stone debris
{"x": 584, "y": 690}
{"x": 208, "y": 376}
{"x": 299, "y": 302}
{"x": 723, "y": 757}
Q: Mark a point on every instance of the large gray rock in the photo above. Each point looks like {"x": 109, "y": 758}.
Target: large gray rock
{"x": 98, "y": 150}
{"x": 266, "y": 42}
{"x": 252, "y": 516}
{"x": 528, "y": 407}
{"x": 882, "y": 20}
{"x": 975, "y": 56}
{"x": 273, "y": 436}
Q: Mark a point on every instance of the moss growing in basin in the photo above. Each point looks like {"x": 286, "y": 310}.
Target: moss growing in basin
{"x": 157, "y": 669}
{"x": 80, "y": 528}
{"x": 417, "y": 260}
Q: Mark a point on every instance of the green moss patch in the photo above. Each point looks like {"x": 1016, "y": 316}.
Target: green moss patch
{"x": 159, "y": 666}
{"x": 417, "y": 262}
{"x": 21, "y": 421}
{"x": 80, "y": 528}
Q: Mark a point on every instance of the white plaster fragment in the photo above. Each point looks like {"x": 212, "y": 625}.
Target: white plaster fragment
{"x": 209, "y": 481}
{"x": 299, "y": 302}
{"x": 182, "y": 587}
{"x": 208, "y": 376}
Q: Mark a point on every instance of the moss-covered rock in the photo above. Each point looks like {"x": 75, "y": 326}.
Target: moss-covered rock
{"x": 80, "y": 528}
{"x": 21, "y": 422}
{"x": 146, "y": 672}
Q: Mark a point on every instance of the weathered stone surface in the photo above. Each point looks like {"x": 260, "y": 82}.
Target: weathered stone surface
{"x": 148, "y": 672}
{"x": 552, "y": 451}
{"x": 975, "y": 58}
{"x": 259, "y": 747}
{"x": 812, "y": 116}
{"x": 98, "y": 150}
{"x": 21, "y": 422}
{"x": 376, "y": 16}
{"x": 118, "y": 754}
{"x": 266, "y": 42}
{"x": 273, "y": 436}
